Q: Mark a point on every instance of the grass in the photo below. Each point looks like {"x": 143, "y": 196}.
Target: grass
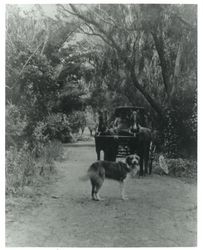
{"x": 23, "y": 167}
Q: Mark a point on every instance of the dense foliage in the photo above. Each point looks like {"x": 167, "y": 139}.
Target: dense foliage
{"x": 62, "y": 70}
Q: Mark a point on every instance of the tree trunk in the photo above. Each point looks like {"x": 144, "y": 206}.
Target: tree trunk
{"x": 159, "y": 44}
{"x": 178, "y": 60}
{"x": 177, "y": 67}
{"x": 138, "y": 86}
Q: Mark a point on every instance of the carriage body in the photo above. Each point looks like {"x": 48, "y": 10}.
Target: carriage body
{"x": 118, "y": 143}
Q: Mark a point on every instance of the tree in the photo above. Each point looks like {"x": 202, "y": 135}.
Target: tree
{"x": 147, "y": 52}
{"x": 111, "y": 32}
{"x": 140, "y": 35}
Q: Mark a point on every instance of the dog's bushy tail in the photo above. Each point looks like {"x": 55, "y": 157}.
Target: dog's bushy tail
{"x": 84, "y": 178}
{"x": 89, "y": 175}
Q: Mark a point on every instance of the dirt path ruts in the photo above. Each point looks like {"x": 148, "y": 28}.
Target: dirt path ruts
{"x": 160, "y": 212}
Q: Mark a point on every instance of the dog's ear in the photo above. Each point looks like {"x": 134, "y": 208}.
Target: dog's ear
{"x": 137, "y": 157}
{"x": 128, "y": 160}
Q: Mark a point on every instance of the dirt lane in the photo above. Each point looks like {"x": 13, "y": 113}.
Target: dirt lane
{"x": 161, "y": 211}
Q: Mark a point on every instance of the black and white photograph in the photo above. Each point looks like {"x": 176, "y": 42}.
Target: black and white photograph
{"x": 101, "y": 104}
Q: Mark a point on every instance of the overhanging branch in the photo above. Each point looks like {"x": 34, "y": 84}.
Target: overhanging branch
{"x": 95, "y": 34}
{"x": 97, "y": 25}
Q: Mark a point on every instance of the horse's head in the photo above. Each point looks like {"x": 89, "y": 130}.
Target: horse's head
{"x": 135, "y": 121}
{"x": 103, "y": 123}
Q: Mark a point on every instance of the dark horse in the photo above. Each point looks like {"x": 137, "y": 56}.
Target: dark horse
{"x": 104, "y": 143}
{"x": 142, "y": 144}
{"x": 101, "y": 130}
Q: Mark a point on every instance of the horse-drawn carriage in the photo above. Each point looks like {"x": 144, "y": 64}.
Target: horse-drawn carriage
{"x": 125, "y": 134}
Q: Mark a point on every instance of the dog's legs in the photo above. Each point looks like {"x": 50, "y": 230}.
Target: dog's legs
{"x": 98, "y": 198}
{"x": 122, "y": 189}
{"x": 95, "y": 190}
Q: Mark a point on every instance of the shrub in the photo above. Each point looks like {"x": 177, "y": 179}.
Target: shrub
{"x": 182, "y": 167}
{"x": 58, "y": 127}
{"x": 20, "y": 168}
{"x": 171, "y": 135}
{"x": 40, "y": 138}
{"x": 77, "y": 121}
{"x": 177, "y": 167}
{"x": 49, "y": 153}
{"x": 180, "y": 132}
{"x": 15, "y": 126}
{"x": 91, "y": 119}
{"x": 54, "y": 127}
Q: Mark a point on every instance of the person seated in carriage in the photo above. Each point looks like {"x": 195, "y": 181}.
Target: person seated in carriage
{"x": 122, "y": 125}
{"x": 126, "y": 123}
